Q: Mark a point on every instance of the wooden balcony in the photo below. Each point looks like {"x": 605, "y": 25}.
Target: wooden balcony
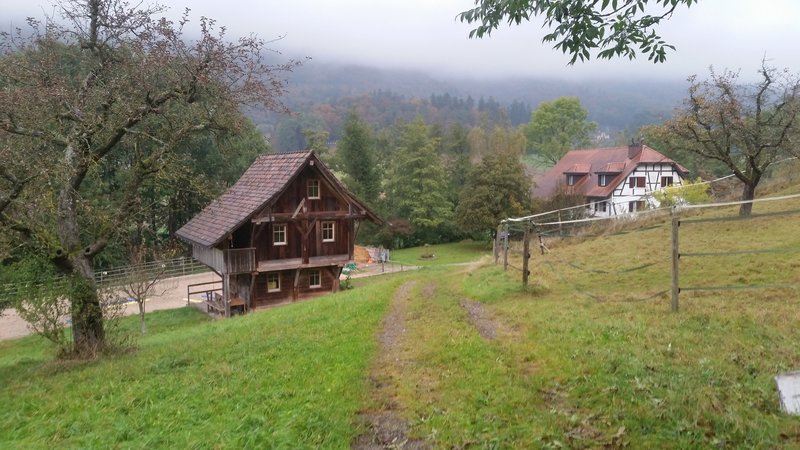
{"x": 240, "y": 260}
{"x": 297, "y": 263}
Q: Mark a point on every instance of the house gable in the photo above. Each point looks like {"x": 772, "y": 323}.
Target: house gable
{"x": 259, "y": 187}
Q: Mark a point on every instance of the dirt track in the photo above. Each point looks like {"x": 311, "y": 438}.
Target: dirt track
{"x": 174, "y": 296}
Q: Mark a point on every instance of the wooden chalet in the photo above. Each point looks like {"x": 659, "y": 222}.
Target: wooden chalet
{"x": 284, "y": 231}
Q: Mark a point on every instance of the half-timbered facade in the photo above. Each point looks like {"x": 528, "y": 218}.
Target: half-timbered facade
{"x": 612, "y": 181}
{"x": 282, "y": 232}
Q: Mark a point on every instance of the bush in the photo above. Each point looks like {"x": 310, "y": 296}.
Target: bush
{"x": 688, "y": 193}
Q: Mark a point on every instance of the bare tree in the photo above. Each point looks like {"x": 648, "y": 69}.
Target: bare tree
{"x": 142, "y": 282}
{"x": 745, "y": 127}
{"x": 109, "y": 87}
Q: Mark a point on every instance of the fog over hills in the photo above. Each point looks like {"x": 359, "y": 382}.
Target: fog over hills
{"x": 614, "y": 103}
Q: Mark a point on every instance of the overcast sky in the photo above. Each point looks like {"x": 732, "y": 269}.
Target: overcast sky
{"x": 425, "y": 35}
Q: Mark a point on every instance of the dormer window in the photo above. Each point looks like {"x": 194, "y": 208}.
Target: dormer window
{"x": 573, "y": 178}
{"x": 604, "y": 178}
{"x": 313, "y": 189}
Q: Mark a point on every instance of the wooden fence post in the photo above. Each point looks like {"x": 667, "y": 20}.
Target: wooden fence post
{"x": 496, "y": 248}
{"x": 560, "y": 230}
{"x": 526, "y": 255}
{"x": 226, "y": 294}
{"x": 675, "y": 259}
{"x": 505, "y": 248}
{"x": 541, "y": 243}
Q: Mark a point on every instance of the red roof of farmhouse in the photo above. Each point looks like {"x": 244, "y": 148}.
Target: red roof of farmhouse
{"x": 615, "y": 161}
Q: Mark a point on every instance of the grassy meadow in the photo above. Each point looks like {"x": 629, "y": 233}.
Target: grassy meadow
{"x": 590, "y": 356}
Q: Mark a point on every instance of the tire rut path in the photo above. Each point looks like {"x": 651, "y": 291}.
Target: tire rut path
{"x": 385, "y": 425}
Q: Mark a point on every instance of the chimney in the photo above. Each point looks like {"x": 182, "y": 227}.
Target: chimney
{"x": 634, "y": 148}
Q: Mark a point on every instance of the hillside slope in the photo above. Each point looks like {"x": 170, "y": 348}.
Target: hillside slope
{"x": 459, "y": 356}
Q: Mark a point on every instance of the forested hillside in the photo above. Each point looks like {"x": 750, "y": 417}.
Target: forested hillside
{"x": 321, "y": 95}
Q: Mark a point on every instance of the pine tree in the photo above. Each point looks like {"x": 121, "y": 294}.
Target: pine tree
{"x": 356, "y": 157}
{"x": 418, "y": 185}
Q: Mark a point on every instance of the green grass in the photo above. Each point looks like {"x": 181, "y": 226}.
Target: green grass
{"x": 291, "y": 377}
{"x": 589, "y": 357}
{"x": 455, "y": 253}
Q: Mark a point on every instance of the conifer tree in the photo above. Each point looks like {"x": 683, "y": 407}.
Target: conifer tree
{"x": 356, "y": 157}
{"x": 418, "y": 185}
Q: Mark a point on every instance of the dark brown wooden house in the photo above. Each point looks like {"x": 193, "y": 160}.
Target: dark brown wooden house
{"x": 282, "y": 232}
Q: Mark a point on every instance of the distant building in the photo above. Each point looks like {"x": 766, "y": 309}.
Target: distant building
{"x": 284, "y": 231}
{"x": 612, "y": 181}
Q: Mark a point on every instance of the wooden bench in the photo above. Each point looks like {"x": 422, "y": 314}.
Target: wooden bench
{"x": 216, "y": 304}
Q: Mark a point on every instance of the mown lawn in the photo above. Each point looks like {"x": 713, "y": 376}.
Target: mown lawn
{"x": 441, "y": 254}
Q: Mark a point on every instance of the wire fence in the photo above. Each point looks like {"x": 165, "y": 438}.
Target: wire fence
{"x": 578, "y": 275}
{"x": 112, "y": 277}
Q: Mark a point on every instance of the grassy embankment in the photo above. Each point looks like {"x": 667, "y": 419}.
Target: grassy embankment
{"x": 288, "y": 377}
{"x": 588, "y": 357}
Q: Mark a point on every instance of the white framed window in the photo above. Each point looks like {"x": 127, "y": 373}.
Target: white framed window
{"x": 314, "y": 279}
{"x": 604, "y": 178}
{"x": 313, "y": 189}
{"x": 273, "y": 282}
{"x": 279, "y": 234}
{"x": 328, "y": 232}
{"x": 666, "y": 181}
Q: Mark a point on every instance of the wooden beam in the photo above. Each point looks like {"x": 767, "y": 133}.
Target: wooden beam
{"x": 338, "y": 214}
{"x": 305, "y": 249}
{"x": 352, "y": 230}
{"x": 334, "y": 271}
{"x": 295, "y": 290}
{"x": 252, "y": 297}
{"x": 299, "y": 207}
{"x": 226, "y": 294}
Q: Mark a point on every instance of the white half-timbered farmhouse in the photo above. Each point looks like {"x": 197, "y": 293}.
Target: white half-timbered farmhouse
{"x": 612, "y": 181}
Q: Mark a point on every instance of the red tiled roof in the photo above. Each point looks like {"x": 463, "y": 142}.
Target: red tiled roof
{"x": 601, "y": 160}
{"x": 260, "y": 184}
{"x": 615, "y": 167}
{"x": 579, "y": 168}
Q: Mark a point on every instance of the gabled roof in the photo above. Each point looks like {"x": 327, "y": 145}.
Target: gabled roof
{"x": 614, "y": 161}
{"x": 260, "y": 185}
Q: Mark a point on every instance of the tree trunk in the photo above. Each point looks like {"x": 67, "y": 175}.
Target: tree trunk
{"x": 748, "y": 193}
{"x": 87, "y": 315}
{"x": 142, "y": 326}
